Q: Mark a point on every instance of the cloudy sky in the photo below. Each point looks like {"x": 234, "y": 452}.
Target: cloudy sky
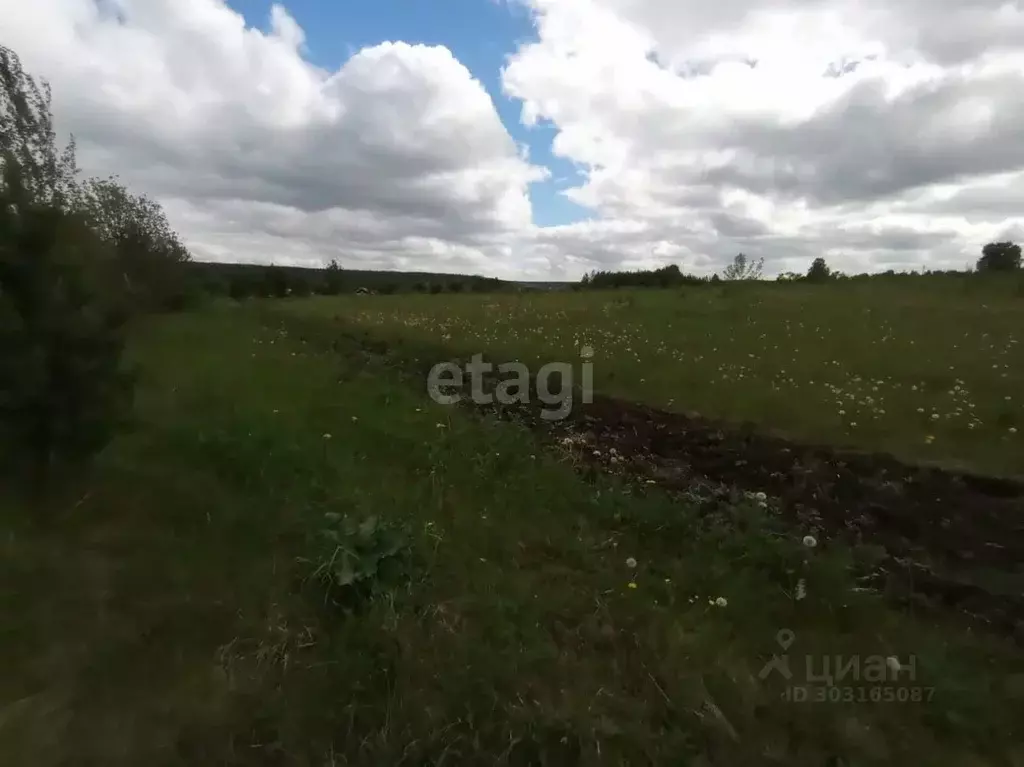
{"x": 540, "y": 139}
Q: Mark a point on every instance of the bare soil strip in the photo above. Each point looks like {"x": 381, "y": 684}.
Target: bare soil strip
{"x": 947, "y": 540}
{"x": 951, "y": 539}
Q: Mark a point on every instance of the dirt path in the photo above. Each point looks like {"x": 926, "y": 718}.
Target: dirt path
{"x": 952, "y": 540}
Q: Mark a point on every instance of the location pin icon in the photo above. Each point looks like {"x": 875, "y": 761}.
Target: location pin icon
{"x": 785, "y": 638}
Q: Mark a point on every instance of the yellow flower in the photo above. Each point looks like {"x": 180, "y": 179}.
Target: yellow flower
{"x": 631, "y": 585}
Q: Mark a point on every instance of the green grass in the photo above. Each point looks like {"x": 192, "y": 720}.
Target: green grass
{"x": 167, "y": 614}
{"x": 930, "y": 370}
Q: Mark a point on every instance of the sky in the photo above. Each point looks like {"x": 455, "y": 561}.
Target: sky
{"x": 543, "y": 139}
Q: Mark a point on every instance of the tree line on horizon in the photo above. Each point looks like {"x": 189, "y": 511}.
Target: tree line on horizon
{"x": 996, "y": 258}
{"x": 244, "y": 281}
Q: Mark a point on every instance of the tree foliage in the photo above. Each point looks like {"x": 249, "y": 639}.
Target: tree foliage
{"x": 28, "y": 139}
{"x": 275, "y": 282}
{"x": 664, "y": 277}
{"x": 819, "y": 271}
{"x": 147, "y": 250}
{"x": 743, "y": 268}
{"x": 63, "y": 391}
{"x": 332, "y": 279}
{"x": 76, "y": 258}
{"x": 1000, "y": 257}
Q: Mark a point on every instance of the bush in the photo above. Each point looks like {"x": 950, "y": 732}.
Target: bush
{"x": 1000, "y": 257}
{"x": 665, "y": 277}
{"x": 332, "y": 281}
{"x": 150, "y": 257}
{"x": 63, "y": 391}
{"x": 275, "y": 282}
{"x": 742, "y": 269}
{"x": 819, "y": 271}
{"x": 240, "y": 288}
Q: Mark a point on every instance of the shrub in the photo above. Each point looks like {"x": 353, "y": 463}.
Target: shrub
{"x": 743, "y": 268}
{"x": 63, "y": 391}
{"x": 1000, "y": 257}
{"x": 150, "y": 257}
{"x": 819, "y": 271}
{"x": 275, "y": 282}
{"x": 332, "y": 281}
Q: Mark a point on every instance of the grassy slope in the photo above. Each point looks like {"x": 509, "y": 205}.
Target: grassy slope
{"x": 905, "y": 367}
{"x": 162, "y": 619}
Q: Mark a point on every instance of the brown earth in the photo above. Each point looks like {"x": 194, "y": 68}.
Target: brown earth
{"x": 951, "y": 540}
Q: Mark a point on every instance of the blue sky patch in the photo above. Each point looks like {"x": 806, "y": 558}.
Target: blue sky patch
{"x": 479, "y": 33}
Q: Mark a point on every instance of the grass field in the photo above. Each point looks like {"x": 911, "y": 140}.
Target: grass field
{"x": 204, "y": 600}
{"x": 931, "y": 371}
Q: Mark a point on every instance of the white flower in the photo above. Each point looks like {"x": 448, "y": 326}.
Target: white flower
{"x": 326, "y": 435}
{"x": 893, "y": 663}
{"x": 761, "y": 496}
{"x": 630, "y": 562}
{"x": 722, "y": 602}
{"x": 1013, "y": 430}
{"x": 810, "y": 541}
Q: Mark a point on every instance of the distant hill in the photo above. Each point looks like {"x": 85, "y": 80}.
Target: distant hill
{"x": 546, "y": 285}
{"x": 221, "y": 276}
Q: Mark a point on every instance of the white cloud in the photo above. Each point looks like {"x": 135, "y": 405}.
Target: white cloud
{"x": 397, "y": 158}
{"x": 881, "y": 134}
{"x": 785, "y": 129}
